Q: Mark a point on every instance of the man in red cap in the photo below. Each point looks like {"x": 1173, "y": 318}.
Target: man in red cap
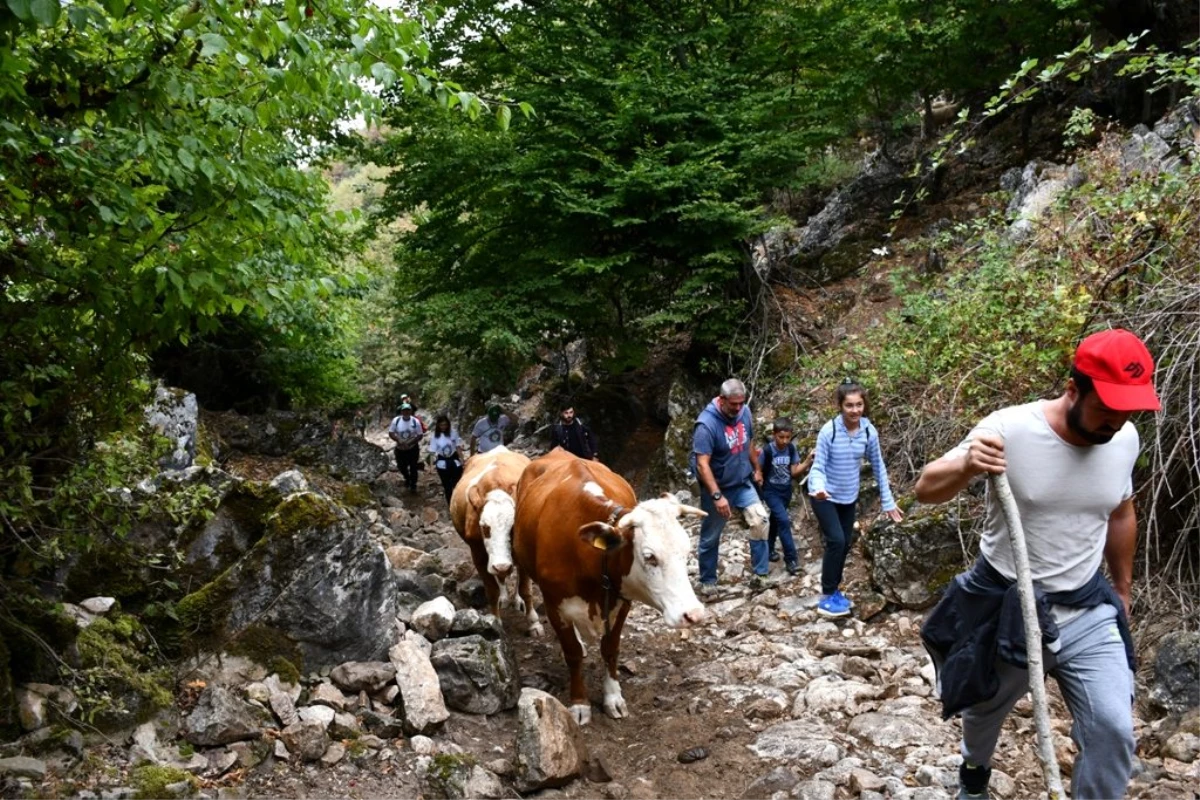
{"x": 1070, "y": 462}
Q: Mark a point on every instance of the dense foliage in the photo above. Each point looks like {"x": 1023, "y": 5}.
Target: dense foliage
{"x": 155, "y": 190}
{"x": 623, "y": 207}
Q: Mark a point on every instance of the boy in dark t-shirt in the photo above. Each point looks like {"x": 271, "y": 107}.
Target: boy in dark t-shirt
{"x": 781, "y": 463}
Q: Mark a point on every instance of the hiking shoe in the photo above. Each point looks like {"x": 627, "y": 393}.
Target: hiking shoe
{"x": 973, "y": 782}
{"x": 708, "y": 591}
{"x": 759, "y": 583}
{"x": 833, "y": 605}
{"x": 846, "y": 601}
{"x": 793, "y": 568}
{"x": 775, "y": 555}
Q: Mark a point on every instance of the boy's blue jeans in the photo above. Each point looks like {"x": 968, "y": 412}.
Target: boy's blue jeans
{"x": 777, "y": 500}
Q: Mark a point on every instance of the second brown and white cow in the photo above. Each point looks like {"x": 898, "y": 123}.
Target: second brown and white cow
{"x": 482, "y": 509}
{"x": 587, "y": 542}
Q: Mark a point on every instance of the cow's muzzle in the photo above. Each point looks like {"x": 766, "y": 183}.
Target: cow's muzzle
{"x": 500, "y": 570}
{"x": 693, "y": 617}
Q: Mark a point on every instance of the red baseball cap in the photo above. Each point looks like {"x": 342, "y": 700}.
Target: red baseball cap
{"x": 1121, "y": 368}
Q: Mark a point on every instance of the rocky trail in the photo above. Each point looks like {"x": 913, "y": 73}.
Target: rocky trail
{"x": 765, "y": 699}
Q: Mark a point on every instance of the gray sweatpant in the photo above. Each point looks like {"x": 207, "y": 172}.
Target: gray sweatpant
{"x": 1094, "y": 677}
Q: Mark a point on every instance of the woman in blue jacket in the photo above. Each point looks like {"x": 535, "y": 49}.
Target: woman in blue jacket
{"x": 833, "y": 488}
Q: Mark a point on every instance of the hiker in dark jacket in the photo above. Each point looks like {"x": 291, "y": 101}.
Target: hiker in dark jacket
{"x": 572, "y": 435}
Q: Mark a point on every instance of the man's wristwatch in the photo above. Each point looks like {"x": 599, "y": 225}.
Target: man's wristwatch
{"x": 717, "y": 495}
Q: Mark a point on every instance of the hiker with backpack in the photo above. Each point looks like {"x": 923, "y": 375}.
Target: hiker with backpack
{"x": 781, "y": 463}
{"x": 833, "y": 488}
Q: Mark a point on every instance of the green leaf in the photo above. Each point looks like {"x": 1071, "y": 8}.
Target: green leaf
{"x": 45, "y": 12}
{"x": 21, "y": 9}
{"x": 186, "y": 158}
{"x": 503, "y": 117}
{"x": 115, "y": 8}
{"x": 213, "y": 43}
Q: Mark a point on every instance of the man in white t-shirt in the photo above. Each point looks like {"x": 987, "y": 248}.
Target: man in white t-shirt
{"x": 406, "y": 431}
{"x": 1070, "y": 462}
{"x": 489, "y": 430}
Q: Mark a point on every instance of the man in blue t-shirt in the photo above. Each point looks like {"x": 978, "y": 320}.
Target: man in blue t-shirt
{"x": 726, "y": 465}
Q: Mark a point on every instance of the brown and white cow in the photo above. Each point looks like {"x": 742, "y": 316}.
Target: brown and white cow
{"x": 579, "y": 523}
{"x": 482, "y": 510}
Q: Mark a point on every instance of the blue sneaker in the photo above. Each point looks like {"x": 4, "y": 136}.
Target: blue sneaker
{"x": 833, "y": 605}
{"x": 845, "y": 600}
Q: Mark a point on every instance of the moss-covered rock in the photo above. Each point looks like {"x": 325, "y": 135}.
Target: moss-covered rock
{"x": 119, "y": 683}
{"x": 357, "y": 495}
{"x": 151, "y": 781}
{"x": 273, "y": 649}
{"x": 315, "y": 581}
{"x": 912, "y": 562}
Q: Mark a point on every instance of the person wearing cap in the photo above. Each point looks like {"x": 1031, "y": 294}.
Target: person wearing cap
{"x": 489, "y": 430}
{"x": 1069, "y": 462}
{"x": 406, "y": 431}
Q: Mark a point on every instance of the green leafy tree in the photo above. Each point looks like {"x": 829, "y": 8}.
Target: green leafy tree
{"x": 622, "y": 207}
{"x": 154, "y": 189}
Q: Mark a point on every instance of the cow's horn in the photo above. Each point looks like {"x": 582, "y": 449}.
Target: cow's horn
{"x": 692, "y": 511}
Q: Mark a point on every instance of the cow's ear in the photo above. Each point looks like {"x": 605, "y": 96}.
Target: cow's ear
{"x": 601, "y": 536}
{"x": 475, "y": 496}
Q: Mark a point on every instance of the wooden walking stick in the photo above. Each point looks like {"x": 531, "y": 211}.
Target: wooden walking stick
{"x": 1033, "y": 636}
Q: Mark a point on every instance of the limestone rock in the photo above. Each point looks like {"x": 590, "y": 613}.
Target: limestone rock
{"x": 550, "y": 747}
{"x": 322, "y": 715}
{"x": 450, "y": 777}
{"x": 355, "y": 676}
{"x": 23, "y": 767}
{"x": 306, "y": 740}
{"x": 420, "y": 688}
{"x": 477, "y": 675}
{"x": 326, "y": 694}
{"x": 316, "y": 578}
{"x": 284, "y": 707}
{"x": 802, "y": 741}
{"x": 889, "y": 731}
{"x": 1176, "y": 666}
{"x": 290, "y": 482}
{"x": 176, "y": 416}
{"x": 98, "y": 605}
{"x": 780, "y": 779}
{"x": 220, "y": 717}
{"x": 912, "y": 562}
{"x": 433, "y": 619}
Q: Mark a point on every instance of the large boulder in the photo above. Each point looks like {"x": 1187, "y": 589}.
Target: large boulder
{"x": 221, "y": 717}
{"x": 838, "y": 239}
{"x": 424, "y": 707}
{"x": 175, "y": 415}
{"x": 1176, "y": 665}
{"x": 912, "y": 562}
{"x": 478, "y": 671}
{"x": 316, "y": 587}
{"x": 307, "y": 438}
{"x": 550, "y": 747}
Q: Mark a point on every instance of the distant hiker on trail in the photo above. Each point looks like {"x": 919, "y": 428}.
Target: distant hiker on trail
{"x": 573, "y": 436}
{"x": 833, "y": 488}
{"x": 406, "y": 431}
{"x": 489, "y": 430}
{"x": 1069, "y": 462}
{"x": 445, "y": 449}
{"x": 780, "y": 463}
{"x": 725, "y": 464}
{"x": 360, "y": 423}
